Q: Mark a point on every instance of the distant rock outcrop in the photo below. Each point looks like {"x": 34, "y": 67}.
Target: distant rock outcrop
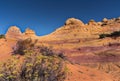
{"x": 73, "y": 21}
{"x": 29, "y": 33}
{"x": 105, "y": 20}
{"x": 13, "y": 33}
{"x": 73, "y": 28}
{"x": 92, "y": 22}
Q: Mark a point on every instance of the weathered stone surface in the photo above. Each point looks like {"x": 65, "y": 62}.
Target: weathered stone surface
{"x": 73, "y": 21}
{"x": 79, "y": 42}
{"x": 105, "y": 20}
{"x": 13, "y": 33}
{"x": 73, "y": 28}
{"x": 92, "y": 22}
{"x": 29, "y": 32}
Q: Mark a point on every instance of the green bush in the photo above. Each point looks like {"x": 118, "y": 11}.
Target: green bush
{"x": 113, "y": 34}
{"x": 2, "y": 36}
{"x": 101, "y": 36}
{"x": 23, "y": 45}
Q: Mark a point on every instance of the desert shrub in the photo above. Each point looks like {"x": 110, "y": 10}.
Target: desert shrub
{"x": 61, "y": 55}
{"x": 35, "y": 67}
{"x": 29, "y": 45}
{"x": 9, "y": 70}
{"x": 2, "y": 36}
{"x": 104, "y": 24}
{"x": 101, "y": 36}
{"x": 38, "y": 67}
{"x": 49, "y": 52}
{"x": 22, "y": 45}
{"x": 46, "y": 51}
{"x": 113, "y": 34}
{"x": 39, "y": 64}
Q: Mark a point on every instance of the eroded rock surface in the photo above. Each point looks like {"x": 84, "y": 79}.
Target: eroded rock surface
{"x": 13, "y": 33}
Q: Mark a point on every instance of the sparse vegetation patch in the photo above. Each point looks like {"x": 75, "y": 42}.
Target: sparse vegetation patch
{"x": 39, "y": 64}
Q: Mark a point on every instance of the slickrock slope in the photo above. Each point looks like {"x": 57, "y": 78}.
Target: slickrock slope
{"x": 81, "y": 44}
{"x": 76, "y": 29}
{"x": 83, "y": 73}
{"x": 75, "y": 33}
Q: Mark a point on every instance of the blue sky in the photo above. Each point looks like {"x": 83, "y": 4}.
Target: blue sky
{"x": 44, "y": 16}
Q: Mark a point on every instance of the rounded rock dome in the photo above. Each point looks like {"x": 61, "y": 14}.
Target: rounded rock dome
{"x": 73, "y": 21}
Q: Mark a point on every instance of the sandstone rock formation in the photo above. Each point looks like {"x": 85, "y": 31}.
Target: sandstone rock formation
{"x": 29, "y": 32}
{"x": 79, "y": 42}
{"x": 105, "y": 20}
{"x": 92, "y": 22}
{"x": 13, "y": 33}
{"x": 73, "y": 21}
{"x": 75, "y": 28}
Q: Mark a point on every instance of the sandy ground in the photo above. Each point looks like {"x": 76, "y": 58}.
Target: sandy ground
{"x": 5, "y": 49}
